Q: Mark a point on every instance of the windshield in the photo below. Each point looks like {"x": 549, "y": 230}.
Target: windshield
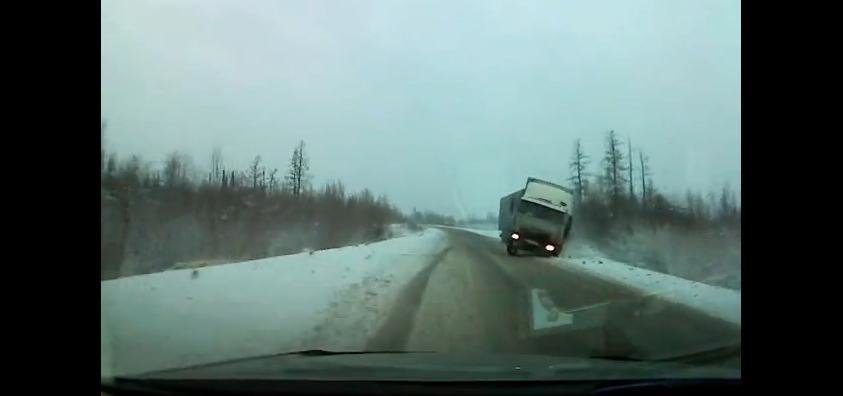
{"x": 541, "y": 211}
{"x": 344, "y": 176}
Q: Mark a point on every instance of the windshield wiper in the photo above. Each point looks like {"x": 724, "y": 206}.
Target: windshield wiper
{"x": 712, "y": 355}
{"x": 619, "y": 358}
{"x": 323, "y": 352}
{"x": 303, "y": 353}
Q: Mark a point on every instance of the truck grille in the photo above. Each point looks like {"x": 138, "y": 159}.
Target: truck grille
{"x": 534, "y": 235}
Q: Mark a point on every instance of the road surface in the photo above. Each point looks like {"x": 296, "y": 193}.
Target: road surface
{"x": 476, "y": 299}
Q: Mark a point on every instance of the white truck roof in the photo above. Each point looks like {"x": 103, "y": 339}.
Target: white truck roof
{"x": 547, "y": 194}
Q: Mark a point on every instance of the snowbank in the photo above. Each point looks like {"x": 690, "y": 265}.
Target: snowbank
{"x": 716, "y": 301}
{"x": 400, "y": 230}
{"x": 489, "y": 233}
{"x": 711, "y": 256}
{"x": 187, "y": 317}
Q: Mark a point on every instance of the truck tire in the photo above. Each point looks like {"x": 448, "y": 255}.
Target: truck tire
{"x": 511, "y": 249}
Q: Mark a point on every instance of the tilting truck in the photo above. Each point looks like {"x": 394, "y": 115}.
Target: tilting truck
{"x": 537, "y": 218}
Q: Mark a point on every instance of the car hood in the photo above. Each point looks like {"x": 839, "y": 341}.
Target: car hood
{"x": 424, "y": 366}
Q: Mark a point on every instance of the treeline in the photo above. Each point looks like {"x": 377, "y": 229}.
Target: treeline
{"x": 622, "y": 191}
{"x": 474, "y": 220}
{"x": 154, "y": 218}
{"x": 619, "y": 208}
{"x": 417, "y": 218}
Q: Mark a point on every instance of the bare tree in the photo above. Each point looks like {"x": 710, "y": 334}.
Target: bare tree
{"x": 690, "y": 205}
{"x": 175, "y": 170}
{"x": 216, "y": 166}
{"x": 254, "y": 171}
{"x": 132, "y": 172}
{"x": 125, "y": 186}
{"x": 299, "y": 165}
{"x": 232, "y": 179}
{"x": 103, "y": 125}
{"x": 728, "y": 204}
{"x": 644, "y": 168}
{"x": 273, "y": 182}
{"x": 697, "y": 210}
{"x": 613, "y": 162}
{"x": 111, "y": 165}
{"x": 263, "y": 179}
{"x": 630, "y": 160}
{"x": 577, "y": 166}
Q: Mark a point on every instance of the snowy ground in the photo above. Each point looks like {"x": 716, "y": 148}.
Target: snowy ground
{"x": 332, "y": 299}
{"x": 716, "y": 301}
{"x": 400, "y": 230}
{"x": 491, "y": 233}
{"x": 480, "y": 226}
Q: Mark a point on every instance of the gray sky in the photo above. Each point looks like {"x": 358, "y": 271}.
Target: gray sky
{"x": 441, "y": 105}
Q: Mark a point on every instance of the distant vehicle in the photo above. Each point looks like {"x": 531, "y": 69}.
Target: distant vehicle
{"x": 537, "y": 217}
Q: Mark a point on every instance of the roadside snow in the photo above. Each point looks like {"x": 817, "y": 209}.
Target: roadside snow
{"x": 488, "y": 233}
{"x": 400, "y": 230}
{"x": 187, "y": 317}
{"x": 716, "y": 301}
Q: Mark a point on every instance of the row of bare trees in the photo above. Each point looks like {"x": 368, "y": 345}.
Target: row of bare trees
{"x": 620, "y": 210}
{"x": 617, "y": 173}
{"x": 417, "y": 218}
{"x": 609, "y": 195}
{"x": 257, "y": 175}
{"x": 154, "y": 218}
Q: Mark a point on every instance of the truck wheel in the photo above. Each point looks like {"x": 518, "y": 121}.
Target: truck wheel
{"x": 511, "y": 249}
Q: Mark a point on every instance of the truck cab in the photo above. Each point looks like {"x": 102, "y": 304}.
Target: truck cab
{"x": 537, "y": 217}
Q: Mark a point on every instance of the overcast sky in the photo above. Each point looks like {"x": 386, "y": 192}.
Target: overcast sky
{"x": 440, "y": 105}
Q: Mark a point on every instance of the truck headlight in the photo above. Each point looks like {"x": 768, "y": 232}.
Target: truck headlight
{"x": 515, "y": 236}
{"x": 550, "y": 248}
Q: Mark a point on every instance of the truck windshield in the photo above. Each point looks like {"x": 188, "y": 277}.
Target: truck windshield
{"x": 540, "y": 211}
